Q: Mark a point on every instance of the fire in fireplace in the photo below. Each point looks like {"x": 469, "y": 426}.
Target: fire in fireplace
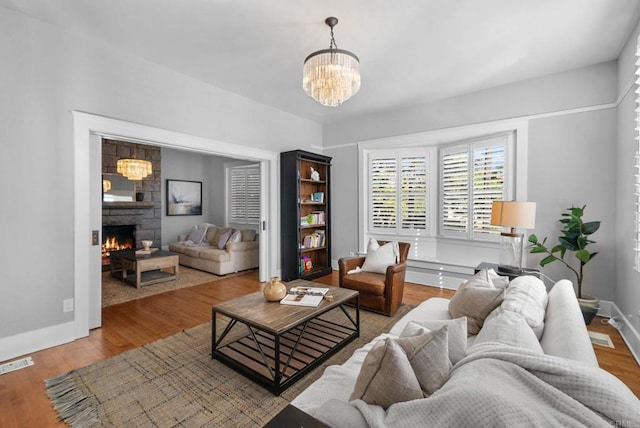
{"x": 116, "y": 238}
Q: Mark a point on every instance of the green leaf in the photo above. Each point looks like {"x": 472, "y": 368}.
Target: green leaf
{"x": 592, "y": 255}
{"x": 568, "y": 244}
{"x": 547, "y": 260}
{"x": 538, "y": 249}
{"x": 557, "y": 248}
{"x": 583, "y": 256}
{"x": 533, "y": 239}
{"x": 591, "y": 227}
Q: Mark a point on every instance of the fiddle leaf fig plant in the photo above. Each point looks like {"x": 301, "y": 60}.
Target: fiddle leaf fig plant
{"x": 574, "y": 238}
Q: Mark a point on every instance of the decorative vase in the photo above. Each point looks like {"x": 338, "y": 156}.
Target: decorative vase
{"x": 274, "y": 290}
{"x": 139, "y": 196}
{"x": 589, "y": 307}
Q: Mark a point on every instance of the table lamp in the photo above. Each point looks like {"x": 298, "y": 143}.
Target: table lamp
{"x": 514, "y": 215}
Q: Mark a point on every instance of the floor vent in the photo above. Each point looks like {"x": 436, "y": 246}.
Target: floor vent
{"x": 15, "y": 365}
{"x": 601, "y": 339}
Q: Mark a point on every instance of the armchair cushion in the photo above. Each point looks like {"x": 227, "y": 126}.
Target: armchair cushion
{"x": 379, "y": 257}
{"x": 365, "y": 281}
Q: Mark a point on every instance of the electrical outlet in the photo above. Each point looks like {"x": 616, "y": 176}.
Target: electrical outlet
{"x": 67, "y": 305}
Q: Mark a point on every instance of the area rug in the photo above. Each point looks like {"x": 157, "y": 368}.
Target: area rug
{"x": 115, "y": 291}
{"x": 174, "y": 382}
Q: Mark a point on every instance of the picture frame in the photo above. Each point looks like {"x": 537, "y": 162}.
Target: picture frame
{"x": 184, "y": 197}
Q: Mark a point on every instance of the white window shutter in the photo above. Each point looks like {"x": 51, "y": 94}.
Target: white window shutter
{"x": 244, "y": 195}
{"x": 488, "y": 183}
{"x": 413, "y": 192}
{"x": 383, "y": 182}
{"x": 454, "y": 191}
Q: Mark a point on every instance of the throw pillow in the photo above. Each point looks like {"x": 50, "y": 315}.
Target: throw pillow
{"x": 428, "y": 355}
{"x": 457, "y": 329}
{"x": 475, "y": 300}
{"x": 211, "y": 235}
{"x": 197, "y": 235}
{"x": 235, "y": 237}
{"x": 379, "y": 257}
{"x": 528, "y": 297}
{"x": 490, "y": 276}
{"x": 386, "y": 377}
{"x": 248, "y": 235}
{"x": 223, "y": 238}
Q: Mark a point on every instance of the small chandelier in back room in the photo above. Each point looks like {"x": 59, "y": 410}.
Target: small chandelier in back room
{"x": 331, "y": 76}
{"x": 134, "y": 169}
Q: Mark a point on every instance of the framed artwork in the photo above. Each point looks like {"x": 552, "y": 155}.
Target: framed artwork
{"x": 184, "y": 197}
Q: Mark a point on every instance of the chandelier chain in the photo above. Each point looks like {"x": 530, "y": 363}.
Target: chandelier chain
{"x": 333, "y": 44}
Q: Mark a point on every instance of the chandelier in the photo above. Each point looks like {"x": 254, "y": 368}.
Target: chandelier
{"x": 331, "y": 76}
{"x": 134, "y": 169}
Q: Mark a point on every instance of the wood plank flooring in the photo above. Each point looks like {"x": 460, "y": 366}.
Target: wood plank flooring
{"x": 23, "y": 401}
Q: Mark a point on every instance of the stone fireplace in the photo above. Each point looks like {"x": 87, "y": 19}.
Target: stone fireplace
{"x": 143, "y": 217}
{"x": 116, "y": 238}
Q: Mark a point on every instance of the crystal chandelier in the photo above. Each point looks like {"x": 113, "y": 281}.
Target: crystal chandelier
{"x": 331, "y": 76}
{"x": 134, "y": 169}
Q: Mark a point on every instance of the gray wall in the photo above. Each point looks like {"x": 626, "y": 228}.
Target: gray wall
{"x": 627, "y": 280}
{"x": 46, "y": 74}
{"x": 564, "y": 149}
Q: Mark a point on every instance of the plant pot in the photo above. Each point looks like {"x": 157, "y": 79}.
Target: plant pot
{"x": 589, "y": 307}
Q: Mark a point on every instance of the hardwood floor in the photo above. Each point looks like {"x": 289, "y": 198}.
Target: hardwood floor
{"x": 23, "y": 401}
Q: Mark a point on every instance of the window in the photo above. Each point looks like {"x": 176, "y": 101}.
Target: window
{"x": 472, "y": 176}
{"x": 398, "y": 191}
{"x": 243, "y": 206}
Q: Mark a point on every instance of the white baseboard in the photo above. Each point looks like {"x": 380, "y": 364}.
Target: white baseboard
{"x": 627, "y": 330}
{"x": 37, "y": 340}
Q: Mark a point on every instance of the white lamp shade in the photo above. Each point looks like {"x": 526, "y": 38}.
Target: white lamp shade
{"x": 519, "y": 215}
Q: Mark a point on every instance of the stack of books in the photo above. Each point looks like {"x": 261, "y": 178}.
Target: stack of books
{"x": 304, "y": 296}
{"x": 315, "y": 240}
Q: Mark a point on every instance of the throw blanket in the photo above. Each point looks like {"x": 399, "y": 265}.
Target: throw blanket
{"x": 502, "y": 386}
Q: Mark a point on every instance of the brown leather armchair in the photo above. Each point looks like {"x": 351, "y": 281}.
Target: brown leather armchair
{"x": 378, "y": 292}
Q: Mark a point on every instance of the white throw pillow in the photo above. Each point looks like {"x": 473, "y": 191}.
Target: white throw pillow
{"x": 235, "y": 237}
{"x": 508, "y": 328}
{"x": 527, "y": 296}
{"x": 457, "y": 334}
{"x": 223, "y": 238}
{"x": 380, "y": 257}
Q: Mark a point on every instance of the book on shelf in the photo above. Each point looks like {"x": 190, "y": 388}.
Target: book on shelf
{"x": 302, "y": 300}
{"x": 315, "y": 218}
{"x": 315, "y": 240}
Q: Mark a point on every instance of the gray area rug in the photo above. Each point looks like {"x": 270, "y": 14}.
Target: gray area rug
{"x": 174, "y": 382}
{"x": 115, "y": 291}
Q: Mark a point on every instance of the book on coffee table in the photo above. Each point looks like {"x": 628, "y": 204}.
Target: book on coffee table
{"x": 313, "y": 291}
{"x": 302, "y": 300}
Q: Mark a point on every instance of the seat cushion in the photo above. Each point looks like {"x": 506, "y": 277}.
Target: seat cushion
{"x": 177, "y": 248}
{"x": 215, "y": 255}
{"x": 367, "y": 282}
{"x": 193, "y": 251}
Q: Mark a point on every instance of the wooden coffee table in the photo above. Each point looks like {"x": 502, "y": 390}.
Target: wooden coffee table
{"x": 274, "y": 344}
{"x": 139, "y": 270}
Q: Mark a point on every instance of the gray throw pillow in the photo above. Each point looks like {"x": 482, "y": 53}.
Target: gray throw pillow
{"x": 428, "y": 355}
{"x": 223, "y": 238}
{"x": 475, "y": 299}
{"x": 386, "y": 377}
{"x": 457, "y": 329}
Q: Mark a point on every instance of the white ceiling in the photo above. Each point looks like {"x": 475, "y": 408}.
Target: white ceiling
{"x": 411, "y": 51}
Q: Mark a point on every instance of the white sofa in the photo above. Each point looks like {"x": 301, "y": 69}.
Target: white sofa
{"x": 495, "y": 384}
{"x": 212, "y": 255}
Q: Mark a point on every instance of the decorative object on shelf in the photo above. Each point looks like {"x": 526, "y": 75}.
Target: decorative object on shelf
{"x": 134, "y": 169}
{"x": 184, "y": 197}
{"x": 274, "y": 290}
{"x": 106, "y": 185}
{"x": 139, "y": 196}
{"x": 315, "y": 175}
{"x": 331, "y": 76}
{"x": 146, "y": 244}
{"x": 514, "y": 215}
{"x": 575, "y": 238}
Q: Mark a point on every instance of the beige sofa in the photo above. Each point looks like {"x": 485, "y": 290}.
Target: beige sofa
{"x": 221, "y": 250}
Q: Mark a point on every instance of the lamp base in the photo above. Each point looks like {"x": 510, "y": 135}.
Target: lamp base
{"x": 509, "y": 270}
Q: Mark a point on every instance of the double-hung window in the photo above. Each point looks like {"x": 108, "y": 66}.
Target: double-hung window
{"x": 473, "y": 174}
{"x": 243, "y": 205}
{"x": 398, "y": 191}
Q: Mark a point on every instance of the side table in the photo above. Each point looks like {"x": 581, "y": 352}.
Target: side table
{"x": 494, "y": 266}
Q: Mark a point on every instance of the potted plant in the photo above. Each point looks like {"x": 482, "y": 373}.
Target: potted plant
{"x": 574, "y": 239}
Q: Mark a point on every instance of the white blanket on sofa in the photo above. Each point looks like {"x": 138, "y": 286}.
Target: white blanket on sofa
{"x": 502, "y": 386}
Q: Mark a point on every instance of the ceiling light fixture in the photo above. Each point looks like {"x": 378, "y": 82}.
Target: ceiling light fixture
{"x": 331, "y": 76}
{"x": 134, "y": 169}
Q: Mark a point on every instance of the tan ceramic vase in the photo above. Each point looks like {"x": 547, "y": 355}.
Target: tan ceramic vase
{"x": 274, "y": 290}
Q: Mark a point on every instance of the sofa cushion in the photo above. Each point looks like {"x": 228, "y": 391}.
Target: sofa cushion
{"x": 178, "y": 247}
{"x": 236, "y": 236}
{"x": 222, "y": 238}
{"x": 336, "y": 413}
{"x": 242, "y": 246}
{"x": 457, "y": 334}
{"x": 490, "y": 276}
{"x": 368, "y": 282}
{"x": 193, "y": 251}
{"x": 211, "y": 235}
{"x": 248, "y": 235}
{"x": 386, "y": 377}
{"x": 215, "y": 255}
{"x": 508, "y": 328}
{"x": 428, "y": 354}
{"x": 379, "y": 257}
{"x": 475, "y": 299}
{"x": 527, "y": 296}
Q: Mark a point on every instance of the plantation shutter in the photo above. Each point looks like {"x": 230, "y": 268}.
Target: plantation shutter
{"x": 383, "y": 193}
{"x": 244, "y": 195}
{"x": 414, "y": 192}
{"x": 472, "y": 176}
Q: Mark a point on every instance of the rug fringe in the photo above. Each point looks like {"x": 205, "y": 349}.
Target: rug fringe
{"x": 73, "y": 407}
